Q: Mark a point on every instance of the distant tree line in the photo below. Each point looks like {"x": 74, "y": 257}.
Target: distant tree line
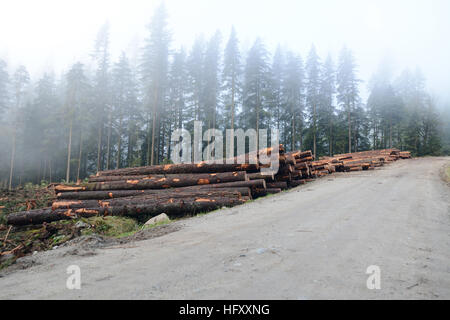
{"x": 121, "y": 113}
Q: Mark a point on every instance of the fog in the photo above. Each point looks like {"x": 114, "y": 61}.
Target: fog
{"x": 408, "y": 33}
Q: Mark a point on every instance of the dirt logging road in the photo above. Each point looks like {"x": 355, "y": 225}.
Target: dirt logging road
{"x": 314, "y": 241}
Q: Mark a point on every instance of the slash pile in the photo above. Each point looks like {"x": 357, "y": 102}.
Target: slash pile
{"x": 187, "y": 189}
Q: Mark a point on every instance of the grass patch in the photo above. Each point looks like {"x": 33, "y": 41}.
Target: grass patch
{"x": 447, "y": 173}
{"x": 116, "y": 227}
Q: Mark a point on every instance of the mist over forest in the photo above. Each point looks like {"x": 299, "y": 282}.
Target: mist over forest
{"x": 111, "y": 111}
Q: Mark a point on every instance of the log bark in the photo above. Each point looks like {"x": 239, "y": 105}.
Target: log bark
{"x": 180, "y": 168}
{"x": 171, "y": 181}
{"x": 283, "y": 177}
{"x": 300, "y": 154}
{"x": 277, "y": 185}
{"x": 301, "y": 165}
{"x": 258, "y": 175}
{"x": 121, "y": 178}
{"x": 306, "y": 159}
{"x": 296, "y": 183}
{"x": 260, "y": 183}
{"x": 290, "y": 159}
{"x": 360, "y": 161}
{"x": 265, "y": 192}
{"x": 38, "y": 216}
{"x": 225, "y": 176}
{"x": 113, "y": 194}
{"x": 286, "y": 169}
{"x": 144, "y": 199}
{"x": 176, "y": 207}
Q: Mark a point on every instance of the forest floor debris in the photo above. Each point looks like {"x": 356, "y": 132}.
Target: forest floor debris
{"x": 16, "y": 242}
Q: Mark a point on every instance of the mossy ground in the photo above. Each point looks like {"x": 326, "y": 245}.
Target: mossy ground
{"x": 16, "y": 242}
{"x": 26, "y": 240}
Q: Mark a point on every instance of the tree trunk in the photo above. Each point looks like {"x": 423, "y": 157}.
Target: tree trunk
{"x": 108, "y": 143}
{"x": 349, "y": 130}
{"x": 170, "y": 181}
{"x": 172, "y": 207}
{"x": 155, "y": 112}
{"x": 277, "y": 185}
{"x": 99, "y": 147}
{"x": 119, "y": 143}
{"x": 80, "y": 153}
{"x": 13, "y": 155}
{"x": 314, "y": 131}
{"x": 45, "y": 170}
{"x": 229, "y": 176}
{"x": 129, "y": 148}
{"x": 330, "y": 141}
{"x": 181, "y": 168}
{"x": 69, "y": 149}
{"x": 238, "y": 184}
{"x": 233, "y": 89}
{"x": 145, "y": 199}
{"x": 293, "y": 132}
{"x": 113, "y": 194}
{"x": 50, "y": 169}
{"x": 390, "y": 132}
{"x": 149, "y": 143}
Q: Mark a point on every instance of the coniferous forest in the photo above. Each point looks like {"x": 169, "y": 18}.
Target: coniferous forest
{"x": 116, "y": 113}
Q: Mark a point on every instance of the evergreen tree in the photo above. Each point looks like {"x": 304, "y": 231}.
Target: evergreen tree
{"x": 178, "y": 89}
{"x": 231, "y": 77}
{"x": 196, "y": 80}
{"x": 21, "y": 80}
{"x": 211, "y": 85}
{"x": 327, "y": 112}
{"x": 155, "y": 69}
{"x": 385, "y": 110}
{"x": 293, "y": 98}
{"x": 256, "y": 88}
{"x": 313, "y": 93}
{"x": 420, "y": 125}
{"x": 4, "y": 128}
{"x": 347, "y": 90}
{"x": 75, "y": 107}
{"x": 102, "y": 94}
{"x": 125, "y": 108}
{"x": 38, "y": 123}
{"x": 432, "y": 144}
{"x": 277, "y": 102}
{"x": 4, "y": 90}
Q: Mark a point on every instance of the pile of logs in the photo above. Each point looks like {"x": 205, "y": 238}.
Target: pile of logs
{"x": 365, "y": 160}
{"x": 187, "y": 189}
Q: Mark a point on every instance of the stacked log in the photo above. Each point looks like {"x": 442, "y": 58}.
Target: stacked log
{"x": 175, "y": 189}
{"x": 307, "y": 168}
{"x": 186, "y": 189}
{"x": 365, "y": 160}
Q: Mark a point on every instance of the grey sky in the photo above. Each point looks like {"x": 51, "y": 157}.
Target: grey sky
{"x": 44, "y": 34}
